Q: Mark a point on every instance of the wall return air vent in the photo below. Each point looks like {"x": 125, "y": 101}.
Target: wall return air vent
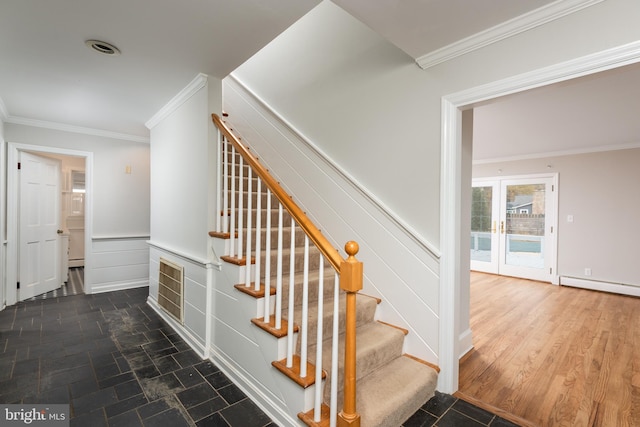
{"x": 171, "y": 289}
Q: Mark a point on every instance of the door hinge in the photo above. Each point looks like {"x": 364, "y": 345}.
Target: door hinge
{"x": 18, "y": 285}
{"x": 552, "y": 228}
{"x": 550, "y": 270}
{"x": 553, "y": 188}
{"x": 19, "y": 165}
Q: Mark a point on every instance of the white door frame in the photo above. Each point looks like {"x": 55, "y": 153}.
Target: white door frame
{"x": 451, "y": 228}
{"x": 13, "y": 154}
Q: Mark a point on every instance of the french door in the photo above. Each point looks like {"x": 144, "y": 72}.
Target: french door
{"x": 513, "y": 226}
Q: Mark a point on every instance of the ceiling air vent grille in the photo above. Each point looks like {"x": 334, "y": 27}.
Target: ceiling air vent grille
{"x": 171, "y": 289}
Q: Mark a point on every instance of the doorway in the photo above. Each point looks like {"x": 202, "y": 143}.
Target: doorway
{"x": 513, "y": 226}
{"x": 15, "y": 151}
{"x": 454, "y": 290}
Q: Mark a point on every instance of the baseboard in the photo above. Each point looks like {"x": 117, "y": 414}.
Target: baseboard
{"x": 596, "y": 285}
{"x": 465, "y": 343}
{"x": 120, "y": 286}
{"x": 264, "y": 402}
{"x": 191, "y": 340}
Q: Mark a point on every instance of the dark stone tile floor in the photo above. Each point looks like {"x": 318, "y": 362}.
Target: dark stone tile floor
{"x": 118, "y": 364}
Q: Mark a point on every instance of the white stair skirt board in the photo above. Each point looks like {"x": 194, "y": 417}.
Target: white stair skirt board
{"x": 618, "y": 288}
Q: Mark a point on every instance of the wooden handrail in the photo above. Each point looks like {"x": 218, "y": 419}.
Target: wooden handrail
{"x": 321, "y": 242}
{"x": 349, "y": 269}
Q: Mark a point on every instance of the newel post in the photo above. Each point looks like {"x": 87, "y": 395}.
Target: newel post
{"x": 350, "y": 282}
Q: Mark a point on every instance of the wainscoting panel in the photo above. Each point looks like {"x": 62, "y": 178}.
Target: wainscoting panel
{"x": 194, "y": 330}
{"x": 119, "y": 263}
{"x": 400, "y": 267}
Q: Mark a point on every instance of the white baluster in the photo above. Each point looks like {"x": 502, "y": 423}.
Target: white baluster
{"x": 241, "y": 208}
{"x": 278, "y": 311}
{"x": 232, "y": 227}
{"x": 258, "y": 234}
{"x": 247, "y": 271}
{"x": 333, "y": 411}
{"x": 267, "y": 261}
{"x": 305, "y": 309}
{"x": 318, "y": 389}
{"x": 225, "y": 187}
{"x": 219, "y": 180}
{"x": 292, "y": 284}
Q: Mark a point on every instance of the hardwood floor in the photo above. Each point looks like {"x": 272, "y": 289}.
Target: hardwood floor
{"x": 554, "y": 355}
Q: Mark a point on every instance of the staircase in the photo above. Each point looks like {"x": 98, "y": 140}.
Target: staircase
{"x": 296, "y": 283}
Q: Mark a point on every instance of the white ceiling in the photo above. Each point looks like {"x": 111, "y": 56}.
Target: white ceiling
{"x": 49, "y": 75}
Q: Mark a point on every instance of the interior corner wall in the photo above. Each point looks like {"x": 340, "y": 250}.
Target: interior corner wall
{"x": 120, "y": 221}
{"x": 179, "y": 178}
{"x": 599, "y": 191}
{"x": 182, "y": 189}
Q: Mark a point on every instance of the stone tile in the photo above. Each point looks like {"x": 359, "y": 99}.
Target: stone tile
{"x": 207, "y": 408}
{"x": 245, "y": 413}
{"x": 213, "y": 420}
{"x": 453, "y": 418}
{"x": 172, "y": 417}
{"x": 189, "y": 376}
{"x": 196, "y": 395}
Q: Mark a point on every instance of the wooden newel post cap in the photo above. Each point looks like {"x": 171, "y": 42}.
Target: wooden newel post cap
{"x": 351, "y": 248}
{"x": 351, "y": 269}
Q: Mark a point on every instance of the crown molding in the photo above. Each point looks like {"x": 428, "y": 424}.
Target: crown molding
{"x": 507, "y": 29}
{"x": 75, "y": 129}
{"x": 196, "y": 84}
{"x": 549, "y": 154}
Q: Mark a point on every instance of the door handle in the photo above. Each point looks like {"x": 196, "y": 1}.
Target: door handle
{"x": 493, "y": 227}
{"x": 502, "y": 227}
{"x": 60, "y": 231}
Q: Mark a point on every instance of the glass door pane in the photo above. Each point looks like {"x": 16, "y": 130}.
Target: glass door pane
{"x": 481, "y": 223}
{"x": 527, "y": 214}
{"x": 484, "y": 238}
{"x": 524, "y": 225}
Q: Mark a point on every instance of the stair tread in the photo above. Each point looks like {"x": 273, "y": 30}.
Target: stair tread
{"x": 390, "y": 395}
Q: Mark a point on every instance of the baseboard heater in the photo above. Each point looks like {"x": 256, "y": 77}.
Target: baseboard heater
{"x": 598, "y": 285}
{"x": 171, "y": 289}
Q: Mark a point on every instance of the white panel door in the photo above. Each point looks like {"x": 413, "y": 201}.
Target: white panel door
{"x": 39, "y": 249}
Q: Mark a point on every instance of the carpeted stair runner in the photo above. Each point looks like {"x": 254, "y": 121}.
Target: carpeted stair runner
{"x": 390, "y": 386}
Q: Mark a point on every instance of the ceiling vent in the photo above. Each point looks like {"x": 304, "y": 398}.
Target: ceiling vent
{"x": 103, "y": 47}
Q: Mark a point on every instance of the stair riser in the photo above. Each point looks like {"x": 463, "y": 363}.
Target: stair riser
{"x": 298, "y": 262}
{"x": 328, "y": 288}
{"x": 244, "y": 184}
{"x": 254, "y": 198}
{"x": 273, "y": 214}
{"x": 286, "y": 238}
{"x": 365, "y": 311}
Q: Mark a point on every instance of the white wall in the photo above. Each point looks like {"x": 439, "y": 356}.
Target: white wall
{"x": 183, "y": 149}
{"x": 120, "y": 203}
{"x": 600, "y": 191}
{"x": 121, "y": 200}
{"x": 374, "y": 113}
{"x": 181, "y": 156}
